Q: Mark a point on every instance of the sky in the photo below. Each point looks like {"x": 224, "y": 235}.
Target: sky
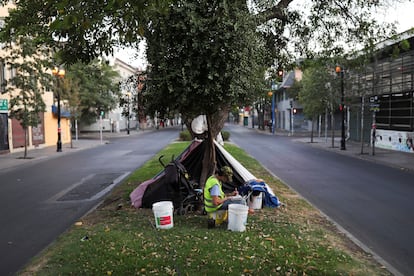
{"x": 402, "y": 14}
{"x": 130, "y": 56}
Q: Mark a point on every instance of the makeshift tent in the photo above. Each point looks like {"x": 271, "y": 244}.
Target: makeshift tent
{"x": 179, "y": 180}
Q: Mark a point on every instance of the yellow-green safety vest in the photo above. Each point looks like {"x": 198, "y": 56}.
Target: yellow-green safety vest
{"x": 208, "y": 200}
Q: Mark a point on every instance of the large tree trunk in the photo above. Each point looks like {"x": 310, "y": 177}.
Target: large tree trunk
{"x": 25, "y": 143}
{"x": 187, "y": 123}
{"x": 332, "y": 127}
{"x": 215, "y": 123}
{"x": 209, "y": 158}
{"x": 312, "y": 130}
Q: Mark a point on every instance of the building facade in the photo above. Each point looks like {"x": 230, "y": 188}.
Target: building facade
{"x": 12, "y": 135}
{"x": 381, "y": 97}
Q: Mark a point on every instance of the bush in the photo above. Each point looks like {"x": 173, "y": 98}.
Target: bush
{"x": 185, "y": 135}
{"x": 225, "y": 135}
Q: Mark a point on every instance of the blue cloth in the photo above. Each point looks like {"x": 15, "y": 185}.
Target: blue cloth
{"x": 215, "y": 190}
{"x": 260, "y": 186}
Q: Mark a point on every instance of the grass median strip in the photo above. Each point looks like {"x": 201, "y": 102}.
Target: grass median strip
{"x": 116, "y": 239}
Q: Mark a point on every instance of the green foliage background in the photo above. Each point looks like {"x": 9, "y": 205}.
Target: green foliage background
{"x": 205, "y": 57}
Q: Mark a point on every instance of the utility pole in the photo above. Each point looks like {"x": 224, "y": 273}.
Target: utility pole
{"x": 340, "y": 71}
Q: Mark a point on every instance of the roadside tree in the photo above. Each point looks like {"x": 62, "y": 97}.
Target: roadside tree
{"x": 315, "y": 91}
{"x": 134, "y": 102}
{"x": 25, "y": 87}
{"x": 205, "y": 58}
{"x": 91, "y": 89}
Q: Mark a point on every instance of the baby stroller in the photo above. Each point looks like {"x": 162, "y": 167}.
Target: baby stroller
{"x": 186, "y": 193}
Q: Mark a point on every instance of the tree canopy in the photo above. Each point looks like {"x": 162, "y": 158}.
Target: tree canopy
{"x": 27, "y": 83}
{"x": 290, "y": 28}
{"x": 95, "y": 89}
{"x": 316, "y": 93}
{"x": 311, "y": 28}
{"x": 88, "y": 28}
{"x": 205, "y": 57}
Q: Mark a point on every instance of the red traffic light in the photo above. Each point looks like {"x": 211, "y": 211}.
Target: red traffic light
{"x": 338, "y": 69}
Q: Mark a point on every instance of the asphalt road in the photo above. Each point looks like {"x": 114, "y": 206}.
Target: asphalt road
{"x": 41, "y": 200}
{"x": 370, "y": 201}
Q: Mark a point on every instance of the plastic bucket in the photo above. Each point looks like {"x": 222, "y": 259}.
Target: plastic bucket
{"x": 237, "y": 217}
{"x": 256, "y": 202}
{"x": 163, "y": 213}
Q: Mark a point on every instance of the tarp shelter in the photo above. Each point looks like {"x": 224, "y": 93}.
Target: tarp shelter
{"x": 163, "y": 186}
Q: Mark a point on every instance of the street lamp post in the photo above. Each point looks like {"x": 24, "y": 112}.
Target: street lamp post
{"x": 273, "y": 114}
{"x": 272, "y": 94}
{"x": 129, "y": 112}
{"x": 340, "y": 71}
{"x": 292, "y": 113}
{"x": 58, "y": 73}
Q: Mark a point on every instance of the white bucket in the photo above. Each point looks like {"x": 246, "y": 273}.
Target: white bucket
{"x": 163, "y": 213}
{"x": 256, "y": 202}
{"x": 237, "y": 217}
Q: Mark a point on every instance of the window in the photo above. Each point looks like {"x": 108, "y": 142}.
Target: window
{"x": 12, "y": 72}
{"x": 1, "y": 26}
{"x": 383, "y": 115}
{"x": 396, "y": 111}
{"x": 401, "y": 110}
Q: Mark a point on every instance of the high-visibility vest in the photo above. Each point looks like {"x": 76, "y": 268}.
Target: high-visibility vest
{"x": 208, "y": 200}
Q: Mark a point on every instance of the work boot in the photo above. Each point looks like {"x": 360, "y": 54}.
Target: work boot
{"x": 211, "y": 223}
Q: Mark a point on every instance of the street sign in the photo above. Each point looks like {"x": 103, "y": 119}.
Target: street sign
{"x": 374, "y": 107}
{"x": 4, "y": 106}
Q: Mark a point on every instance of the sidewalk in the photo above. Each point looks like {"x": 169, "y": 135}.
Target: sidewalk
{"x": 85, "y": 141}
{"x": 392, "y": 158}
{"x": 396, "y": 159}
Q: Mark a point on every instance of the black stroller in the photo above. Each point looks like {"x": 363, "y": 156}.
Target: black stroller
{"x": 176, "y": 186}
{"x": 188, "y": 193}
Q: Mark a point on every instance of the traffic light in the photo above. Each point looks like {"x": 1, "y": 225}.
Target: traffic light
{"x": 295, "y": 111}
{"x": 279, "y": 75}
{"x": 338, "y": 69}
